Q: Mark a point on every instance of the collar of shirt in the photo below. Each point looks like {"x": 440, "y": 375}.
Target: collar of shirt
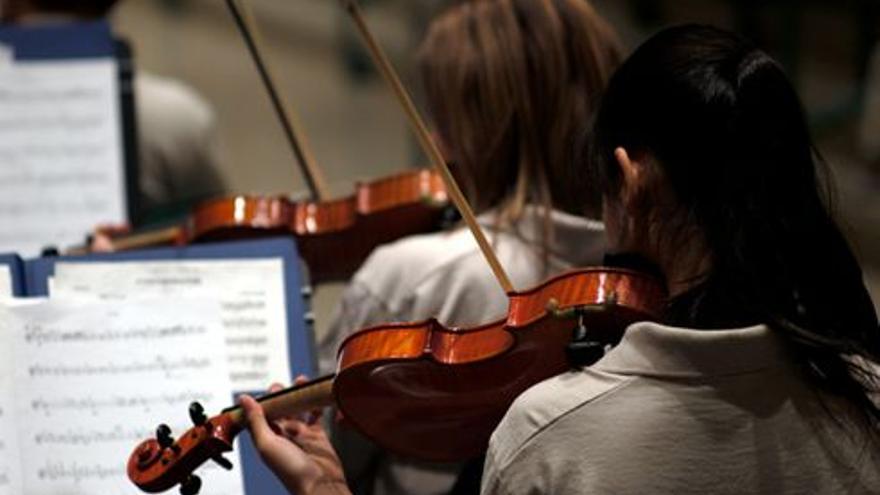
{"x": 571, "y": 239}
{"x": 650, "y": 349}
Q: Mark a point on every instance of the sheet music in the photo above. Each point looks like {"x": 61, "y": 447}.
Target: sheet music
{"x": 251, "y": 295}
{"x": 94, "y": 379}
{"x": 61, "y": 162}
{"x": 10, "y": 465}
{"x": 5, "y": 281}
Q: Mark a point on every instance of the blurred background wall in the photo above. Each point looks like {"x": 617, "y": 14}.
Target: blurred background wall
{"x": 358, "y": 131}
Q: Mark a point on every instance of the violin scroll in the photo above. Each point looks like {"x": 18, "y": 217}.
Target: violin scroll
{"x": 160, "y": 463}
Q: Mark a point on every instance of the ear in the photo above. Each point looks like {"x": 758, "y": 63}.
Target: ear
{"x": 632, "y": 173}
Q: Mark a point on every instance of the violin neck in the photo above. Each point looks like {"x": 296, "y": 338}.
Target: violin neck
{"x": 315, "y": 394}
{"x": 159, "y": 237}
{"x": 168, "y": 235}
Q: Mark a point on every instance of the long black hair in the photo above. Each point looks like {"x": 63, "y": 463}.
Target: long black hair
{"x": 728, "y": 133}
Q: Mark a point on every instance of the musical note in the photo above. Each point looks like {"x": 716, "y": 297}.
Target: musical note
{"x": 38, "y": 335}
{"x": 91, "y": 376}
{"x": 250, "y": 294}
{"x": 93, "y": 405}
{"x": 171, "y": 369}
{"x": 77, "y": 473}
{"x": 115, "y": 433}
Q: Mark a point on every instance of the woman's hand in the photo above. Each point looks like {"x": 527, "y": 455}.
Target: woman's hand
{"x": 101, "y": 240}
{"x": 297, "y": 451}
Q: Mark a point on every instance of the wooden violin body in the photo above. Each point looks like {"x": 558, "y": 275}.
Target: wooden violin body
{"x": 437, "y": 393}
{"x": 333, "y": 237}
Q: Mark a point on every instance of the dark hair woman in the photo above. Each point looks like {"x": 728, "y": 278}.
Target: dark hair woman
{"x": 763, "y": 378}
{"x": 734, "y": 183}
{"x": 764, "y": 382}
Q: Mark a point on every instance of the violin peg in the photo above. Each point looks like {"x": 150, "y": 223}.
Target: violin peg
{"x": 163, "y": 436}
{"x": 223, "y": 462}
{"x": 197, "y": 414}
{"x": 191, "y": 485}
{"x": 450, "y": 217}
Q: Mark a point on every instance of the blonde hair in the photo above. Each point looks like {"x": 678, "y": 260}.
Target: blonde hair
{"x": 510, "y": 83}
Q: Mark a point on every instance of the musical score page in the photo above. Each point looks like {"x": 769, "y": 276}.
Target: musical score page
{"x": 10, "y": 463}
{"x": 251, "y": 295}
{"x": 95, "y": 378}
{"x": 61, "y": 160}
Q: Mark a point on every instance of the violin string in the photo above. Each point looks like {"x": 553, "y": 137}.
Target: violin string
{"x": 427, "y": 142}
{"x": 247, "y": 26}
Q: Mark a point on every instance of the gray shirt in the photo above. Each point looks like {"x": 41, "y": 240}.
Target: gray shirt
{"x": 679, "y": 411}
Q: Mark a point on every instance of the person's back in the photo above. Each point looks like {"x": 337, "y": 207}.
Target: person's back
{"x": 764, "y": 380}
{"x": 678, "y": 411}
{"x": 179, "y": 157}
{"x": 444, "y": 275}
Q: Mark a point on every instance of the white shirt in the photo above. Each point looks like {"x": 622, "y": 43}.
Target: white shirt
{"x": 680, "y": 411}
{"x": 444, "y": 275}
{"x": 178, "y": 154}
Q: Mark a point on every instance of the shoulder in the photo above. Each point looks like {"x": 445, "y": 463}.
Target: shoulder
{"x": 546, "y": 409}
{"x": 418, "y": 256}
{"x": 160, "y": 97}
{"x": 399, "y": 270}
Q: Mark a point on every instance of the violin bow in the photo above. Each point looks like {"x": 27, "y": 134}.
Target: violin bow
{"x": 428, "y": 144}
{"x": 247, "y": 26}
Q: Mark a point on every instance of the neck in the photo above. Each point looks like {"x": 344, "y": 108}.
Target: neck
{"x": 685, "y": 262}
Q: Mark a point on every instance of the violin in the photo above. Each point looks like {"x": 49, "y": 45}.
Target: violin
{"x": 408, "y": 386}
{"x": 422, "y": 389}
{"x": 333, "y": 237}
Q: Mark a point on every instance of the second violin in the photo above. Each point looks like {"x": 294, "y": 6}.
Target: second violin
{"x": 333, "y": 237}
